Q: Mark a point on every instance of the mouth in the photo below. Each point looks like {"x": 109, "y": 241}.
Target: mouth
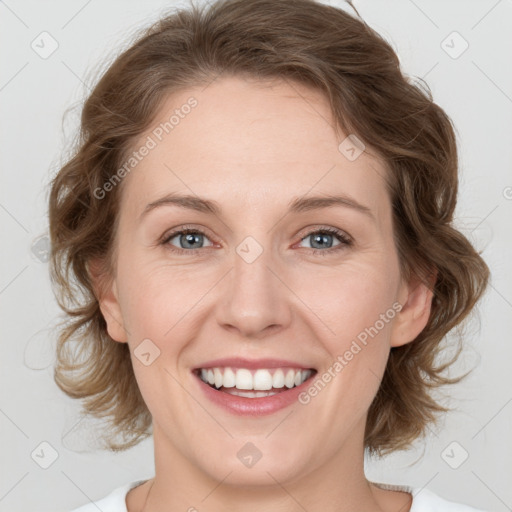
{"x": 254, "y": 383}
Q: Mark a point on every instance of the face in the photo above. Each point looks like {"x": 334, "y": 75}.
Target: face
{"x": 271, "y": 274}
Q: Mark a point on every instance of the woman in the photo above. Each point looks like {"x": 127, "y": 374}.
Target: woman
{"x": 258, "y": 219}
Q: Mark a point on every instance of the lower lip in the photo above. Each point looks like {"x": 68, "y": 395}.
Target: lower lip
{"x": 261, "y": 406}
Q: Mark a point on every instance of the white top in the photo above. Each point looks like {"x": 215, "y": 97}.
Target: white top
{"x": 423, "y": 500}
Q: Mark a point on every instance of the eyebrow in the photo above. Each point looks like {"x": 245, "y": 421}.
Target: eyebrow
{"x": 297, "y": 205}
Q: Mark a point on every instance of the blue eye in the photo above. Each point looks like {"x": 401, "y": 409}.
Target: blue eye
{"x": 187, "y": 238}
{"x": 190, "y": 238}
{"x": 323, "y": 236}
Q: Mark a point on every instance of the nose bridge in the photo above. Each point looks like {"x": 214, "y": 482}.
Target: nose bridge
{"x": 256, "y": 298}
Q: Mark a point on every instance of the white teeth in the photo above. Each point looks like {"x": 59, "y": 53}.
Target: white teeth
{"x": 243, "y": 379}
{"x": 251, "y": 394}
{"x": 229, "y": 379}
{"x": 278, "y": 379}
{"x": 259, "y": 380}
{"x": 218, "y": 377}
{"x": 289, "y": 380}
{"x": 262, "y": 380}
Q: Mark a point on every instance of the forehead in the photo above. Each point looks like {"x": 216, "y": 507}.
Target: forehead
{"x": 250, "y": 144}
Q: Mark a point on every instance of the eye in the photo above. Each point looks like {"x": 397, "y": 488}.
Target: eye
{"x": 321, "y": 240}
{"x": 188, "y": 239}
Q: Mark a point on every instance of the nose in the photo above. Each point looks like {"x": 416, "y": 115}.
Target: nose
{"x": 255, "y": 299}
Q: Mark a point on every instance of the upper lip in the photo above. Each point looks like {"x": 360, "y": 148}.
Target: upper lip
{"x": 240, "y": 362}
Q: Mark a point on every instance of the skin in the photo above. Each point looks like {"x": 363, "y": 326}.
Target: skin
{"x": 253, "y": 147}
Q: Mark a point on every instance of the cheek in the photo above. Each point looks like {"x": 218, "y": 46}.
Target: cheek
{"x": 356, "y": 308}
{"x": 152, "y": 293}
{"x": 152, "y": 308}
{"x": 350, "y": 299}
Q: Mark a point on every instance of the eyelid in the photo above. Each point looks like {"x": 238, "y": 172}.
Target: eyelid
{"x": 345, "y": 239}
{"x": 171, "y": 233}
{"x": 326, "y": 229}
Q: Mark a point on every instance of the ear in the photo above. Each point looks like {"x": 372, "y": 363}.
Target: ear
{"x": 415, "y": 296}
{"x": 105, "y": 289}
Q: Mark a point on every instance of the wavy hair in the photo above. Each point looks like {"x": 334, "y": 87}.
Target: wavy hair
{"x": 301, "y": 41}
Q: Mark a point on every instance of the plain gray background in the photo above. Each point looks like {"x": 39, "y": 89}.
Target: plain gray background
{"x": 466, "y": 459}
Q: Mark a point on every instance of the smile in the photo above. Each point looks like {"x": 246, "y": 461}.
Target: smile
{"x": 245, "y": 382}
{"x": 253, "y": 391}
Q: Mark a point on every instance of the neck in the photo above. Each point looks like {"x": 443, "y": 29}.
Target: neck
{"x": 337, "y": 485}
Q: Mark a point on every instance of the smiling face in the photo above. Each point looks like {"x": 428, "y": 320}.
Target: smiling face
{"x": 258, "y": 277}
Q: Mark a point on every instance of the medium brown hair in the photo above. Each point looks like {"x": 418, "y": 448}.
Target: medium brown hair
{"x": 300, "y": 41}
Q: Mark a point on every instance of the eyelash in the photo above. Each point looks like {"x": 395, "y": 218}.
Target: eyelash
{"x": 345, "y": 240}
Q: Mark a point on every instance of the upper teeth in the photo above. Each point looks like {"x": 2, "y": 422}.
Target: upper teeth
{"x": 261, "y": 379}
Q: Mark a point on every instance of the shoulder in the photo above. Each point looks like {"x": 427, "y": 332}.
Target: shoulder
{"x": 425, "y": 500}
{"x": 113, "y": 502}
